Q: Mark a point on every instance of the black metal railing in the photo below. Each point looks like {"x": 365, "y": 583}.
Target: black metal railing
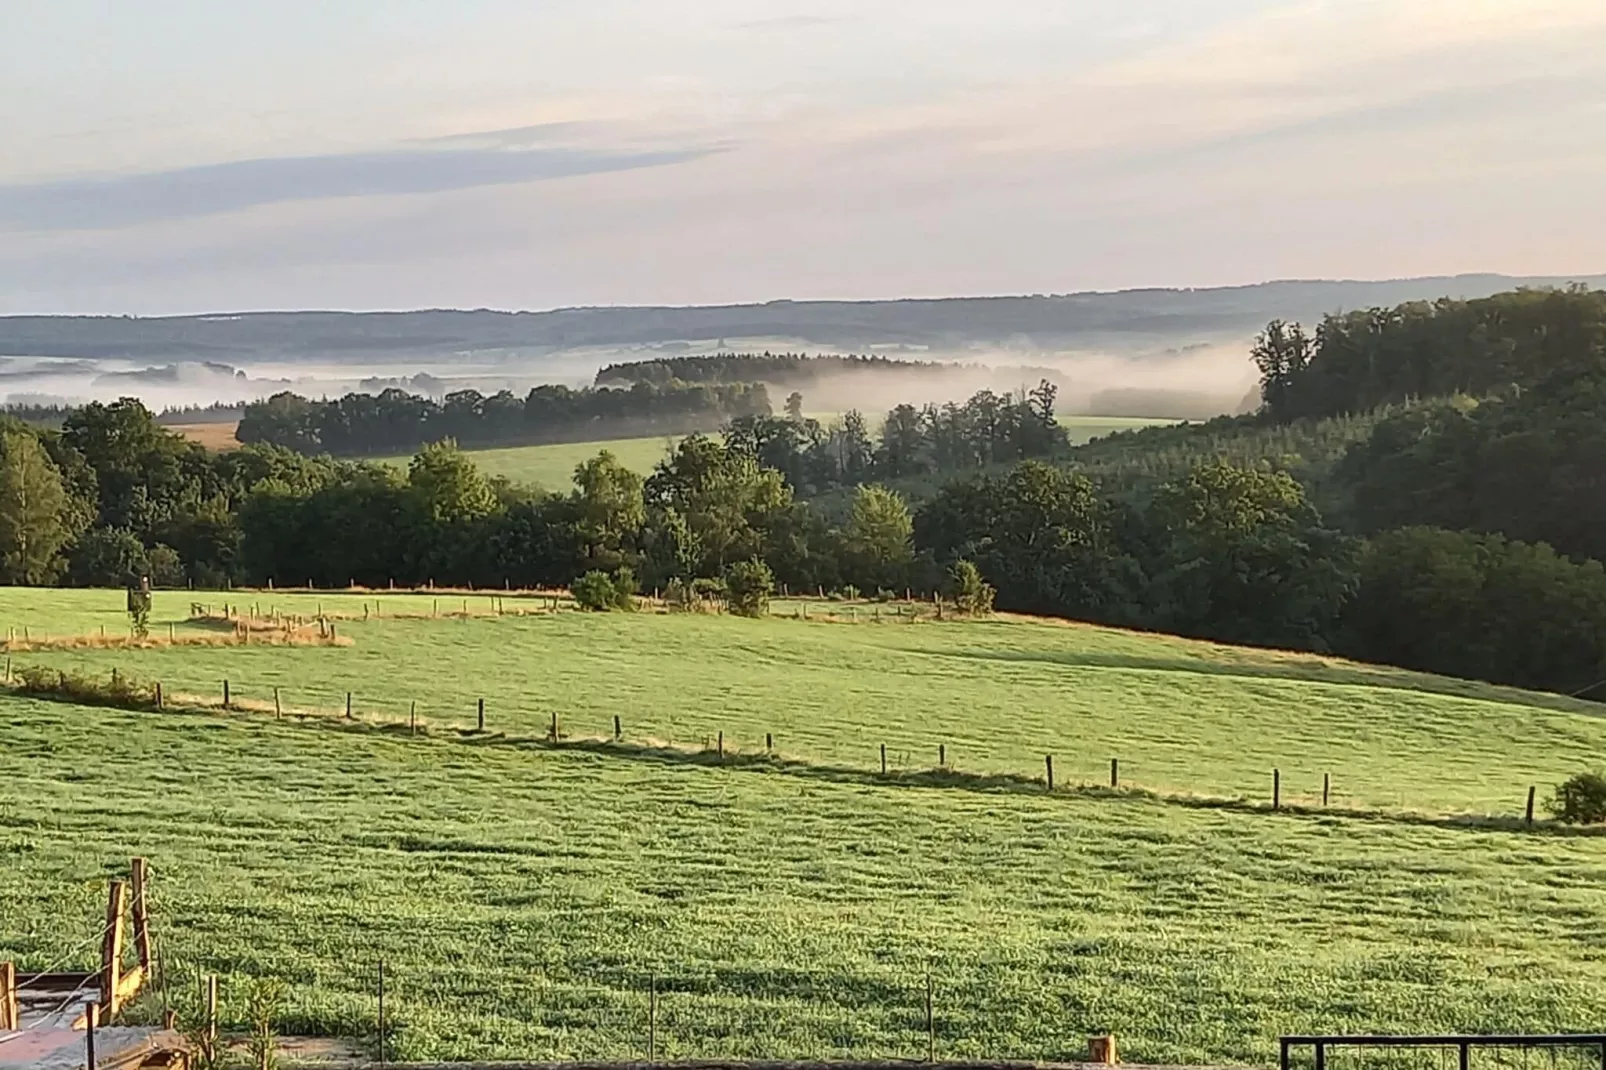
{"x": 1461, "y": 1044}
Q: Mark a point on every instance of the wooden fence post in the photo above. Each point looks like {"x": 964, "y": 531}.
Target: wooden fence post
{"x": 8, "y": 997}
{"x": 111, "y": 948}
{"x": 1327, "y": 787}
{"x": 883, "y": 759}
{"x": 225, "y": 694}
{"x": 553, "y": 734}
{"x": 1115, "y": 772}
{"x": 1048, "y": 767}
{"x": 139, "y": 875}
{"x": 211, "y": 1009}
{"x": 652, "y": 1022}
{"x": 618, "y": 729}
{"x": 158, "y": 694}
{"x": 1530, "y": 816}
{"x": 412, "y": 718}
{"x": 482, "y": 715}
{"x": 942, "y": 756}
{"x": 1276, "y": 789}
{"x": 278, "y": 710}
{"x": 91, "y": 1020}
{"x": 722, "y": 743}
{"x": 931, "y": 1024}
{"x": 769, "y": 742}
{"x": 348, "y": 705}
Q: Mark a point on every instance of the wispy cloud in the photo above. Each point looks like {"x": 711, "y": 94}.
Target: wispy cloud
{"x": 124, "y": 200}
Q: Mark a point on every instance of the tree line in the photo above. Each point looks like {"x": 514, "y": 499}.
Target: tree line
{"x": 394, "y": 421}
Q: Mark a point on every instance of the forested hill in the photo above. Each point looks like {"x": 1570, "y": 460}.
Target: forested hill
{"x": 1069, "y": 321}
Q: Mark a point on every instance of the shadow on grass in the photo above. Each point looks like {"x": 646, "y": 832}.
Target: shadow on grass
{"x": 668, "y": 755}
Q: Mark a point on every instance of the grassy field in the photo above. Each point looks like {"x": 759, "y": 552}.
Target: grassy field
{"x": 524, "y": 896}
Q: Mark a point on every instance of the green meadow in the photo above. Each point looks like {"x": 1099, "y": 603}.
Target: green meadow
{"x": 526, "y": 895}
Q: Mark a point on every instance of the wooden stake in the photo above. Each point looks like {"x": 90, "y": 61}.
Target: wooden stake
{"x": 381, "y": 1012}
{"x": 618, "y": 729}
{"x": 722, "y": 743}
{"x": 91, "y": 1020}
{"x": 1530, "y": 816}
{"x": 482, "y": 715}
{"x": 883, "y": 759}
{"x": 1327, "y": 787}
{"x": 348, "y": 705}
{"x": 652, "y": 1021}
{"x": 1276, "y": 789}
{"x": 158, "y": 694}
{"x": 111, "y": 949}
{"x": 942, "y": 756}
{"x": 769, "y": 742}
{"x": 211, "y": 1009}
{"x": 139, "y": 875}
{"x": 931, "y": 1025}
{"x": 1048, "y": 766}
{"x": 8, "y": 997}
{"x": 412, "y": 718}
{"x": 225, "y": 694}
{"x": 1115, "y": 772}
{"x": 278, "y": 710}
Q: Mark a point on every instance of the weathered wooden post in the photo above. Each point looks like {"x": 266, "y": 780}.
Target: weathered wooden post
{"x": 883, "y": 759}
{"x": 225, "y": 694}
{"x": 9, "y": 1015}
{"x": 618, "y": 729}
{"x": 1048, "y": 767}
{"x": 1327, "y": 787}
{"x": 1115, "y": 772}
{"x": 942, "y": 756}
{"x": 1276, "y": 789}
{"x": 482, "y": 715}
{"x": 1530, "y": 815}
{"x": 111, "y": 948}
{"x": 139, "y": 877}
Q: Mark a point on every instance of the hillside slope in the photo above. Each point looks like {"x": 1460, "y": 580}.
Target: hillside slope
{"x": 525, "y": 897}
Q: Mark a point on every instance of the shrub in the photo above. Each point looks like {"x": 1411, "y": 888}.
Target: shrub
{"x": 116, "y": 690}
{"x": 1580, "y": 800}
{"x": 594, "y": 591}
{"x": 747, "y": 588}
{"x": 624, "y": 588}
{"x": 972, "y": 595}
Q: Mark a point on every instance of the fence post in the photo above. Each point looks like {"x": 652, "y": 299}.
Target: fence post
{"x": 381, "y": 1012}
{"x": 1327, "y": 787}
{"x": 883, "y": 759}
{"x": 225, "y": 694}
{"x": 91, "y": 1020}
{"x": 482, "y": 715}
{"x": 652, "y": 1021}
{"x": 1276, "y": 789}
{"x": 553, "y": 735}
{"x": 931, "y": 1024}
{"x": 412, "y": 718}
{"x": 1048, "y": 768}
{"x": 139, "y": 876}
{"x": 618, "y": 729}
{"x": 278, "y": 710}
{"x": 111, "y": 948}
{"x": 211, "y": 1010}
{"x": 1530, "y": 816}
{"x": 8, "y": 996}
{"x": 158, "y": 694}
{"x": 1115, "y": 772}
{"x": 942, "y": 756}
{"x": 722, "y": 743}
{"x": 348, "y": 705}
{"x": 769, "y": 742}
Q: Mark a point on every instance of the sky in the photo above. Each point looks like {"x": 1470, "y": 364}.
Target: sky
{"x": 173, "y": 156}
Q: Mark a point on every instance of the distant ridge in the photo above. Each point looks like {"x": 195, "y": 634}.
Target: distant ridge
{"x": 1119, "y": 320}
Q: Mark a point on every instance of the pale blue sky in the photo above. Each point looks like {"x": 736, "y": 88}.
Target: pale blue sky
{"x": 181, "y": 155}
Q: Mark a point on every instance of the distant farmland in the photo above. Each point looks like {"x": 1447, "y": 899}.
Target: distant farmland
{"x": 526, "y": 897}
